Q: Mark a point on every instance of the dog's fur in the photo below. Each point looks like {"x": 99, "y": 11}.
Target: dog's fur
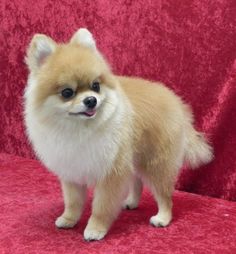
{"x": 141, "y": 131}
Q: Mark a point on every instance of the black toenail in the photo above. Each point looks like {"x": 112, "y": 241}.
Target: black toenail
{"x": 127, "y": 207}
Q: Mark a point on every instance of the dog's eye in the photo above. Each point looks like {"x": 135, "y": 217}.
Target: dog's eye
{"x": 95, "y": 86}
{"x": 67, "y": 93}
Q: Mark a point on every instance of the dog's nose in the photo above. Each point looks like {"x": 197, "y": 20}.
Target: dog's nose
{"x": 90, "y": 101}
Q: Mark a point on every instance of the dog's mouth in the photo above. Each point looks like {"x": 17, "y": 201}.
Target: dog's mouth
{"x": 87, "y": 113}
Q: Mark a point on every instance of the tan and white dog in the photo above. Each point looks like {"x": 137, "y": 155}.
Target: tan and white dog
{"x": 93, "y": 128}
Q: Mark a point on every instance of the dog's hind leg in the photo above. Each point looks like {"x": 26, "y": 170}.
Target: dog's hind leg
{"x": 135, "y": 191}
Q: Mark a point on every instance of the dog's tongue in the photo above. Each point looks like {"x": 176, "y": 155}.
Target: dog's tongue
{"x": 90, "y": 113}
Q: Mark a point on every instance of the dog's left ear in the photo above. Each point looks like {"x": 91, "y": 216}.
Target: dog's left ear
{"x": 84, "y": 38}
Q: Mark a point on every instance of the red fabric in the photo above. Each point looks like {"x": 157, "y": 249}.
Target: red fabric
{"x": 189, "y": 45}
{"x": 30, "y": 200}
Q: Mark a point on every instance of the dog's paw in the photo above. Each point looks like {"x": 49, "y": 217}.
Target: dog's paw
{"x": 93, "y": 234}
{"x": 130, "y": 204}
{"x": 62, "y": 222}
{"x": 160, "y": 220}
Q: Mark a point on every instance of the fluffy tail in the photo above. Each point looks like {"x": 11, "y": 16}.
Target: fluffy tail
{"x": 197, "y": 151}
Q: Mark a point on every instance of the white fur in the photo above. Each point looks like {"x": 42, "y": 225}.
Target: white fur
{"x": 84, "y": 38}
{"x": 44, "y": 48}
{"x": 62, "y": 222}
{"x": 93, "y": 234}
{"x": 67, "y": 146}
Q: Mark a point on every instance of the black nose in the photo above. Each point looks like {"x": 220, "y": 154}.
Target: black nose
{"x": 90, "y": 101}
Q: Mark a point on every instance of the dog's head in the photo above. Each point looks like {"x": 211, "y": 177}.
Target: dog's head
{"x": 70, "y": 81}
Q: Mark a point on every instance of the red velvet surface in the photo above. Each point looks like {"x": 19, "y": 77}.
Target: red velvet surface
{"x": 30, "y": 200}
{"x": 189, "y": 45}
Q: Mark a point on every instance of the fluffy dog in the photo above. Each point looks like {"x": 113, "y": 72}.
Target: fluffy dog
{"x": 93, "y": 128}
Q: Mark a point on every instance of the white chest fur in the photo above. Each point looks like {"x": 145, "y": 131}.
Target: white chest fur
{"x": 73, "y": 156}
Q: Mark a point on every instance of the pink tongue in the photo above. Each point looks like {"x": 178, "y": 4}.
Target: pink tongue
{"x": 90, "y": 113}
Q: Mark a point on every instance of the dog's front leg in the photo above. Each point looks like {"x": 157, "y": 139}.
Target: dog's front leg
{"x": 74, "y": 199}
{"x": 108, "y": 196}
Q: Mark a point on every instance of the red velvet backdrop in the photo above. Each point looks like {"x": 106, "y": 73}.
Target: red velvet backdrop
{"x": 189, "y": 45}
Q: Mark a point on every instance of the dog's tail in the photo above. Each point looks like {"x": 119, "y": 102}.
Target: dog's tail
{"x": 197, "y": 150}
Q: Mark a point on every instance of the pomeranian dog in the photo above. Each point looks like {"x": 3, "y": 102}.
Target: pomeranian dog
{"x": 93, "y": 128}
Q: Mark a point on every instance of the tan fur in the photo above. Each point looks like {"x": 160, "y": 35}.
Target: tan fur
{"x": 155, "y": 137}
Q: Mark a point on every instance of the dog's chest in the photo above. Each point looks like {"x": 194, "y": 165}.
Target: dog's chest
{"x": 83, "y": 159}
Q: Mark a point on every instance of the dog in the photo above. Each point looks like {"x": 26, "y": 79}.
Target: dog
{"x": 91, "y": 127}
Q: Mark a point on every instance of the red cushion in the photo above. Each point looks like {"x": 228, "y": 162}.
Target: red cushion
{"x": 30, "y": 200}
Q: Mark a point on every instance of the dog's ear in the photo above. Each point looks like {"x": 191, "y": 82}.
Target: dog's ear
{"x": 40, "y": 48}
{"x": 84, "y": 38}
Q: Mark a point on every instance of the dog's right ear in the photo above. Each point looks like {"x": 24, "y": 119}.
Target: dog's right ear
{"x": 40, "y": 48}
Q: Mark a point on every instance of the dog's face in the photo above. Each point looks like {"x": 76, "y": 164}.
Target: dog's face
{"x": 70, "y": 81}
